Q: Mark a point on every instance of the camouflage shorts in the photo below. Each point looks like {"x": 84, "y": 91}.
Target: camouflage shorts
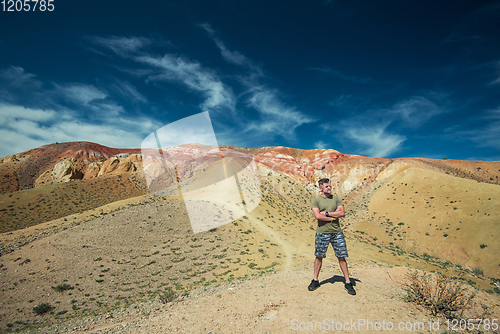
{"x": 336, "y": 239}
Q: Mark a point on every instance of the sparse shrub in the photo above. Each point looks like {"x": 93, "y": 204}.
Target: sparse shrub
{"x": 438, "y": 293}
{"x": 483, "y": 246}
{"x": 168, "y": 296}
{"x": 42, "y": 308}
{"x": 478, "y": 271}
{"x": 63, "y": 287}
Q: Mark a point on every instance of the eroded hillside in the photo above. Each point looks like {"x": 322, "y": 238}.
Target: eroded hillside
{"x": 64, "y": 229}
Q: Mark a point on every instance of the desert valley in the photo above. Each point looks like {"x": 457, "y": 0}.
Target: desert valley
{"x": 85, "y": 247}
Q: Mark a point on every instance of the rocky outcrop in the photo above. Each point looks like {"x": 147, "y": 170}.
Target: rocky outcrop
{"x": 92, "y": 170}
{"x": 135, "y": 157}
{"x": 65, "y": 171}
{"x": 117, "y": 166}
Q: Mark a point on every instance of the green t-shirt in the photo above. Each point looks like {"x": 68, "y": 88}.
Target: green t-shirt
{"x": 327, "y": 204}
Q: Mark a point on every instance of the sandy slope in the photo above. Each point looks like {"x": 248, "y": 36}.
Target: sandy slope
{"x": 119, "y": 263}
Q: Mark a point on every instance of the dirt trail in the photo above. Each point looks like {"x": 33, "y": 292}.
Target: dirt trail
{"x": 286, "y": 246}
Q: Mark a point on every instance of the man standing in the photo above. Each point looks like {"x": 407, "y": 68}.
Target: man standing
{"x": 327, "y": 209}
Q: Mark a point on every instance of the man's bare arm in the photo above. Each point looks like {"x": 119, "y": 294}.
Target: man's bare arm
{"x": 339, "y": 212}
{"x": 335, "y": 214}
{"x": 320, "y": 216}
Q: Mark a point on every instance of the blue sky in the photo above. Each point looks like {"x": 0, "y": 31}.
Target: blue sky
{"x": 377, "y": 78}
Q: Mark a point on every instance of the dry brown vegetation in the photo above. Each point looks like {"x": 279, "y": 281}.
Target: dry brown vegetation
{"x": 31, "y": 207}
{"x": 438, "y": 293}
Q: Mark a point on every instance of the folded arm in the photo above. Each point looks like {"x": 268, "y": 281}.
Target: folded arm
{"x": 320, "y": 215}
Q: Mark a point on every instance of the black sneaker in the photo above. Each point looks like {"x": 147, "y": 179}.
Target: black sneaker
{"x": 350, "y": 289}
{"x": 313, "y": 286}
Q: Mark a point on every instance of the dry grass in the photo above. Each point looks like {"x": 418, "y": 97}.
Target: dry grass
{"x": 31, "y": 207}
{"x": 451, "y": 218}
{"x": 440, "y": 294}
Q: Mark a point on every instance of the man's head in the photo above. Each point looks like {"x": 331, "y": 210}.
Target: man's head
{"x": 325, "y": 187}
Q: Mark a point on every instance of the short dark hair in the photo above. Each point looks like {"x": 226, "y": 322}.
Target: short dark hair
{"x": 322, "y": 181}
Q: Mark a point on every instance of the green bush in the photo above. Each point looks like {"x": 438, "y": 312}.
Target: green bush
{"x": 42, "y": 308}
{"x": 63, "y": 287}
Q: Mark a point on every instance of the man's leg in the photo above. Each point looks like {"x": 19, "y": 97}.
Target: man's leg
{"x": 341, "y": 253}
{"x": 318, "y": 262}
{"x": 320, "y": 245}
{"x": 348, "y": 284}
{"x": 343, "y": 267}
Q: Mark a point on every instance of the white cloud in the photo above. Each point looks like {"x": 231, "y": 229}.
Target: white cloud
{"x": 22, "y": 129}
{"x": 415, "y": 111}
{"x": 497, "y": 67}
{"x": 122, "y": 46}
{"x": 14, "y": 142}
{"x": 10, "y": 113}
{"x": 17, "y": 77}
{"x": 320, "y": 145}
{"x": 375, "y": 141}
{"x": 232, "y": 57}
{"x": 109, "y": 110}
{"x": 194, "y": 76}
{"x": 83, "y": 94}
{"x": 486, "y": 135}
{"x": 128, "y": 91}
{"x": 276, "y": 118}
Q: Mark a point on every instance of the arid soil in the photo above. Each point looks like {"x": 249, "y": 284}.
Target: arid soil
{"x": 120, "y": 264}
{"x": 105, "y": 258}
{"x": 279, "y": 303}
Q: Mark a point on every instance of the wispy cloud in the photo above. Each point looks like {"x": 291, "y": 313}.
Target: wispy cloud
{"x": 375, "y": 141}
{"x": 194, "y": 76}
{"x": 476, "y": 27}
{"x": 232, "y": 57}
{"x": 128, "y": 91}
{"x": 82, "y": 94}
{"x": 320, "y": 145}
{"x": 63, "y": 112}
{"x": 497, "y": 68}
{"x": 484, "y": 135}
{"x": 122, "y": 46}
{"x": 337, "y": 74}
{"x": 378, "y": 132}
{"x": 415, "y": 111}
{"x": 276, "y": 118}
{"x": 24, "y": 128}
{"x": 19, "y": 78}
{"x": 170, "y": 68}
